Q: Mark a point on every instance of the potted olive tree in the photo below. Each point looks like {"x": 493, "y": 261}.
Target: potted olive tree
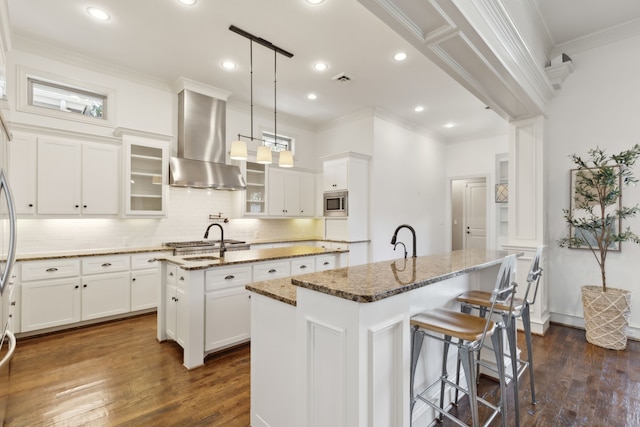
{"x": 594, "y": 220}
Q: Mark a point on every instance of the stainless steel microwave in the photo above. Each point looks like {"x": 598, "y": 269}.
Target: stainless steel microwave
{"x": 336, "y": 203}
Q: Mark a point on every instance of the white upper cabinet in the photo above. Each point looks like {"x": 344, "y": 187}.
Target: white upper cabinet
{"x": 307, "y": 194}
{"x": 336, "y": 174}
{"x": 59, "y": 174}
{"x": 100, "y": 179}
{"x": 77, "y": 178}
{"x": 146, "y": 166}
{"x": 23, "y": 162}
{"x": 291, "y": 193}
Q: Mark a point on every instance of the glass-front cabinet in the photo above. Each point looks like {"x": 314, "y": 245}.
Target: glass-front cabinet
{"x": 255, "y": 194}
{"x": 146, "y": 176}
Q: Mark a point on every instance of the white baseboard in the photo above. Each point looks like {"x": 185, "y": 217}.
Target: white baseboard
{"x": 633, "y": 332}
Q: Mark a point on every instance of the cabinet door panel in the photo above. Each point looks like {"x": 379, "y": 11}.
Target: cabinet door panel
{"x": 171, "y": 307}
{"x": 307, "y": 194}
{"x": 227, "y": 318}
{"x": 275, "y": 190}
{"x": 50, "y": 303}
{"x": 144, "y": 289}
{"x": 22, "y": 174}
{"x": 105, "y": 295}
{"x": 292, "y": 194}
{"x": 100, "y": 179}
{"x": 59, "y": 186}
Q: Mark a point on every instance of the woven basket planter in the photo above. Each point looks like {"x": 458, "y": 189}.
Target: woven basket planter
{"x": 606, "y": 316}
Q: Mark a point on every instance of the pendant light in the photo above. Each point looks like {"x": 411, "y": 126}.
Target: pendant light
{"x": 239, "y": 148}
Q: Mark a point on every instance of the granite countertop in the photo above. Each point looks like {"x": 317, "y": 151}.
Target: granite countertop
{"x": 380, "y": 280}
{"x": 91, "y": 252}
{"x": 310, "y": 239}
{"x": 279, "y": 289}
{"x": 248, "y": 256}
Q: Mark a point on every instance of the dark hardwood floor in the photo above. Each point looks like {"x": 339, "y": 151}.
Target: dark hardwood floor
{"x": 118, "y": 374}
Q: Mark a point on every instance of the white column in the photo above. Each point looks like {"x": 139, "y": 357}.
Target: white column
{"x": 526, "y": 208}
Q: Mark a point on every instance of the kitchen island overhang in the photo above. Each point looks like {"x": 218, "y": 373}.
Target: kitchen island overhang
{"x": 340, "y": 348}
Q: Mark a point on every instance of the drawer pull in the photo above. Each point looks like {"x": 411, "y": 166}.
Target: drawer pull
{"x": 303, "y": 266}
{"x": 230, "y": 277}
{"x": 170, "y": 274}
{"x": 273, "y": 270}
{"x": 106, "y": 264}
{"x": 151, "y": 260}
{"x": 181, "y": 277}
{"x": 51, "y": 270}
{"x": 325, "y": 263}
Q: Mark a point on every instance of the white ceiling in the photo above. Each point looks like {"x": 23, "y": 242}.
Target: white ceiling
{"x": 164, "y": 40}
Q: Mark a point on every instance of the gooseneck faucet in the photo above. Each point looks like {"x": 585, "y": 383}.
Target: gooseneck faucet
{"x": 413, "y": 232}
{"x": 206, "y": 235}
{"x": 403, "y": 246}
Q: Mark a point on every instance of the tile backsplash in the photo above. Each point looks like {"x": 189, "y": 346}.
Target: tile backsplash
{"x": 187, "y": 219}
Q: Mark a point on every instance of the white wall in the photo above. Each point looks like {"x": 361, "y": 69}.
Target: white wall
{"x": 597, "y": 106}
{"x": 408, "y": 186}
{"x": 353, "y": 133}
{"x": 473, "y": 159}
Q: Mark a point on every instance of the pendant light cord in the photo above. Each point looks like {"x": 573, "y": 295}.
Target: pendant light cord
{"x": 251, "y": 73}
{"x": 275, "y": 99}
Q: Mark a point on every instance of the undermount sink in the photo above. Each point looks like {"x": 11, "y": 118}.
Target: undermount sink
{"x": 200, "y": 258}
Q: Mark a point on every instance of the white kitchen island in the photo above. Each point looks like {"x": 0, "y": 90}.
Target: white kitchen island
{"x": 333, "y": 348}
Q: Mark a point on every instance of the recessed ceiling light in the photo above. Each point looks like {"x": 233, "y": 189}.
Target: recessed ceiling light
{"x": 400, "y": 56}
{"x": 449, "y": 125}
{"x": 315, "y": 1}
{"x": 320, "y": 66}
{"x": 418, "y": 109}
{"x": 312, "y": 96}
{"x": 98, "y": 13}
{"x": 228, "y": 65}
{"x": 187, "y": 2}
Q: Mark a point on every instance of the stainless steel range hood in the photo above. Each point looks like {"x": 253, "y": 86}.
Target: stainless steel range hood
{"x": 201, "y": 145}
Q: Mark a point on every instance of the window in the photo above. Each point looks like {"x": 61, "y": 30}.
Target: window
{"x": 282, "y": 143}
{"x": 58, "y": 97}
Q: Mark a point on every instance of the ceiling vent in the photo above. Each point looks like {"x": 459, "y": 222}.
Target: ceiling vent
{"x": 342, "y": 77}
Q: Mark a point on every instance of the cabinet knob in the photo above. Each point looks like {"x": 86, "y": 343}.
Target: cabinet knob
{"x": 84, "y": 286}
{"x": 84, "y": 206}
{"x": 170, "y": 274}
{"x": 133, "y": 279}
{"x": 13, "y": 303}
{"x": 30, "y": 205}
{"x": 76, "y": 286}
{"x": 182, "y": 278}
{"x": 77, "y": 206}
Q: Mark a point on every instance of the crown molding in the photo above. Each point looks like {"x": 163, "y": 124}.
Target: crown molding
{"x": 597, "y": 39}
{"x": 66, "y": 56}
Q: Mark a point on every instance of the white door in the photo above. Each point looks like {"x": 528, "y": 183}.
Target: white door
{"x": 475, "y": 208}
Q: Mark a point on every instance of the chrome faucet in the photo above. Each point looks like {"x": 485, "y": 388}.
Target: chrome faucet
{"x": 413, "y": 232}
{"x": 206, "y": 235}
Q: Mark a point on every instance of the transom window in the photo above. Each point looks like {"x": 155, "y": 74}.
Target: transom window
{"x": 281, "y": 143}
{"x": 55, "y": 96}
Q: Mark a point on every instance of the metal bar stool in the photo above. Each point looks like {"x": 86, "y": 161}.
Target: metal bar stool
{"x": 512, "y": 309}
{"x": 470, "y": 332}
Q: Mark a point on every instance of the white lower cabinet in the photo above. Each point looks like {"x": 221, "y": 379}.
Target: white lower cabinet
{"x": 145, "y": 281}
{"x": 176, "y": 305}
{"x": 60, "y": 292}
{"x": 227, "y": 307}
{"x": 105, "y": 295}
{"x": 50, "y": 303}
{"x": 303, "y": 265}
{"x": 271, "y": 270}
